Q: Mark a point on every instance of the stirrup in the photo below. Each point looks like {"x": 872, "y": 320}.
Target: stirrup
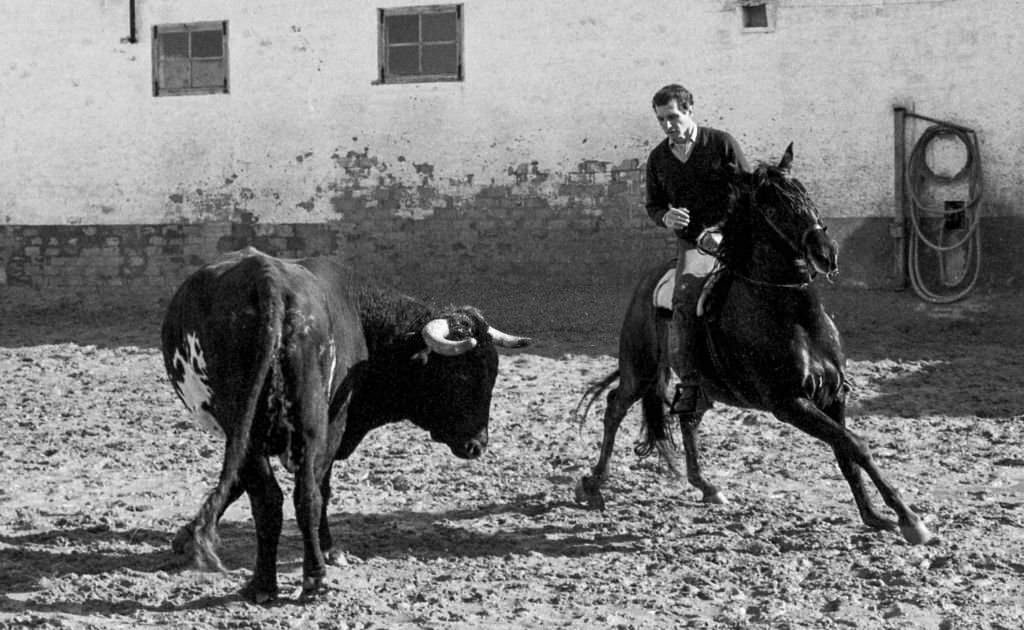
{"x": 685, "y": 400}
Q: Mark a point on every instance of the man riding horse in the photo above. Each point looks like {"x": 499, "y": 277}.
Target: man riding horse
{"x": 770, "y": 345}
{"x": 688, "y": 177}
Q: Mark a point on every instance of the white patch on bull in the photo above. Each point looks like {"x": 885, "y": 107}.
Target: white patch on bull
{"x": 332, "y": 360}
{"x": 193, "y": 387}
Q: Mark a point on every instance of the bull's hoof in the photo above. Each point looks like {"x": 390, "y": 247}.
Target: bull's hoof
{"x": 312, "y": 590}
{"x": 258, "y": 593}
{"x": 917, "y": 533}
{"x": 182, "y": 542}
{"x": 714, "y": 497}
{"x": 336, "y": 558}
{"x": 588, "y": 495}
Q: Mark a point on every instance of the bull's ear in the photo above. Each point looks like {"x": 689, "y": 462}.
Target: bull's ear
{"x": 787, "y": 158}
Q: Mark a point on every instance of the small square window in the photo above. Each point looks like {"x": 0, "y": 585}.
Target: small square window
{"x": 755, "y": 16}
{"x": 190, "y": 58}
{"x": 419, "y": 44}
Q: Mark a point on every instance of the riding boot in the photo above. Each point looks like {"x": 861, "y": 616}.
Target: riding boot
{"x": 692, "y": 267}
{"x": 682, "y": 358}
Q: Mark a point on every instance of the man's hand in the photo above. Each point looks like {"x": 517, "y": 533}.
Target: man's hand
{"x": 676, "y": 218}
{"x": 710, "y": 240}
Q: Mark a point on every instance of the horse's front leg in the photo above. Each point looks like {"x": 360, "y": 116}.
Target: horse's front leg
{"x": 851, "y": 472}
{"x": 849, "y": 447}
{"x": 690, "y": 426}
{"x": 588, "y": 488}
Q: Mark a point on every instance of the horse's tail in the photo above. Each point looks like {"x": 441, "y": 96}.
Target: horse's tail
{"x": 267, "y": 344}
{"x": 595, "y": 389}
{"x": 656, "y": 435}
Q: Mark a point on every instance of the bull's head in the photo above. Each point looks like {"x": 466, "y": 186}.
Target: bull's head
{"x": 459, "y": 367}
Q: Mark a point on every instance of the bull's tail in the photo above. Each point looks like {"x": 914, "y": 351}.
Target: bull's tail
{"x": 267, "y": 344}
{"x": 590, "y": 395}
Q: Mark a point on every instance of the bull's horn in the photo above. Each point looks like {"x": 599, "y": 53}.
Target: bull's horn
{"x": 435, "y": 333}
{"x": 506, "y": 340}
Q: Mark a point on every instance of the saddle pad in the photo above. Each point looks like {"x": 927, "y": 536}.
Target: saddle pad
{"x": 663, "y": 290}
{"x": 667, "y": 284}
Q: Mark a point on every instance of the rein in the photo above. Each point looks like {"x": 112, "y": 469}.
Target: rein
{"x": 800, "y": 252}
{"x": 774, "y": 285}
{"x": 796, "y": 248}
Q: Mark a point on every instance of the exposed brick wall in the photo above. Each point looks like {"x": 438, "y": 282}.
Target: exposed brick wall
{"x": 541, "y": 253}
{"x": 503, "y": 237}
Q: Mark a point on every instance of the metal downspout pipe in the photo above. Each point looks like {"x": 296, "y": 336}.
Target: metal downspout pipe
{"x": 898, "y": 226}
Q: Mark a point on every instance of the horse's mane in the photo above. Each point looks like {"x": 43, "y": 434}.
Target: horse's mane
{"x": 767, "y": 189}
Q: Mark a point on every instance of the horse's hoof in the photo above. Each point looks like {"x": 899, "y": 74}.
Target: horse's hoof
{"x": 580, "y": 492}
{"x": 875, "y": 521}
{"x": 917, "y": 533}
{"x": 587, "y": 495}
{"x": 714, "y": 497}
{"x": 259, "y": 594}
{"x": 182, "y": 542}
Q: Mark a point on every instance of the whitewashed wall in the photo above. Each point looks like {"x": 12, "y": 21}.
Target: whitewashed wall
{"x": 83, "y": 140}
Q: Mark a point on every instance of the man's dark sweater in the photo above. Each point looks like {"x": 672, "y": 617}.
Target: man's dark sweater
{"x": 701, "y": 184}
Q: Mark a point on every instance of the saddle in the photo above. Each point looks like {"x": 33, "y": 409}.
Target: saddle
{"x": 667, "y": 284}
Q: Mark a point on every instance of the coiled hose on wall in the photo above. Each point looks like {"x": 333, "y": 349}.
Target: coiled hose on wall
{"x": 954, "y": 246}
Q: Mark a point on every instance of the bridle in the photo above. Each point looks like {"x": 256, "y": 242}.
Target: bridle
{"x": 800, "y": 251}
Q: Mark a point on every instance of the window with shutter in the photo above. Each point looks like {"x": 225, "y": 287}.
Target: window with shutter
{"x": 418, "y": 44}
{"x": 190, "y": 58}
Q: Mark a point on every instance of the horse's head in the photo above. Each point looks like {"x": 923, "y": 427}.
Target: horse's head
{"x": 770, "y": 201}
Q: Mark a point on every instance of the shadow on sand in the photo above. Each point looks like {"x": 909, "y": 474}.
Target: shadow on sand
{"x": 30, "y": 558}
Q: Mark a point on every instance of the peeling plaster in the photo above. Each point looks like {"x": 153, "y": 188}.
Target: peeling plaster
{"x": 357, "y": 181}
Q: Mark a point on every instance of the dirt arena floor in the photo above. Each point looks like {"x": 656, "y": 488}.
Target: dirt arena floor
{"x": 101, "y": 465}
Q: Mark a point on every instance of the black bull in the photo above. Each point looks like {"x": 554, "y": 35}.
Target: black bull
{"x": 769, "y": 346}
{"x": 300, "y": 359}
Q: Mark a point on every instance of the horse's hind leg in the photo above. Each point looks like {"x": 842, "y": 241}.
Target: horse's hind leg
{"x": 849, "y": 447}
{"x": 689, "y": 426}
{"x": 620, "y": 399}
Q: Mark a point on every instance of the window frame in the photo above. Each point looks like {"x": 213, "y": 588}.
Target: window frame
{"x": 770, "y": 10}
{"x": 384, "y": 76}
{"x": 189, "y": 27}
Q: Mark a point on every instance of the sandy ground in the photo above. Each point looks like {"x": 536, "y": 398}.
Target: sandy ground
{"x": 101, "y": 466}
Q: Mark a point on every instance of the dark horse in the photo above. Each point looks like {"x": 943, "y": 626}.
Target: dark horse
{"x": 768, "y": 345}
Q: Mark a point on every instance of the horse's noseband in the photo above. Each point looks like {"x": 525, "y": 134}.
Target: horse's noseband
{"x": 800, "y": 250}
{"x": 817, "y": 227}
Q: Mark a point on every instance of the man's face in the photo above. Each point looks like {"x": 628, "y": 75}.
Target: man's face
{"x": 676, "y": 122}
